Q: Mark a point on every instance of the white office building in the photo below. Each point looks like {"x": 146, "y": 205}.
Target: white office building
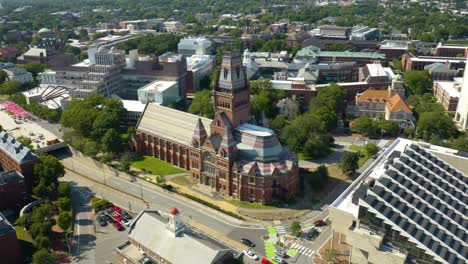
{"x": 461, "y": 115}
{"x": 162, "y": 92}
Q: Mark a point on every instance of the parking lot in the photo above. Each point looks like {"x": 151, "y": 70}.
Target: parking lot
{"x": 107, "y": 239}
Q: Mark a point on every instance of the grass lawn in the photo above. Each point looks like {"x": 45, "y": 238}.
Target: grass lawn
{"x": 291, "y": 252}
{"x": 25, "y": 241}
{"x": 247, "y": 204}
{"x": 155, "y": 166}
{"x": 356, "y": 148}
{"x": 181, "y": 180}
{"x": 302, "y": 156}
{"x": 272, "y": 231}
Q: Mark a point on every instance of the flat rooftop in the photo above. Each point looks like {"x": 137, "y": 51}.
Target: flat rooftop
{"x": 449, "y": 88}
{"x": 27, "y": 128}
{"x": 133, "y": 105}
{"x": 158, "y": 86}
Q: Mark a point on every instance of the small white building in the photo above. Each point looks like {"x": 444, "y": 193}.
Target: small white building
{"x": 288, "y": 107}
{"x": 195, "y": 46}
{"x": 162, "y": 92}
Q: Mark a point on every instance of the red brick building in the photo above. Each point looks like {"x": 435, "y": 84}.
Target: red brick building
{"x": 227, "y": 153}
{"x": 16, "y": 157}
{"x": 10, "y": 251}
{"x": 12, "y": 190}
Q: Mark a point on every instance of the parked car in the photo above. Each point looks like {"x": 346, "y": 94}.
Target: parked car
{"x": 117, "y": 216}
{"x": 319, "y": 223}
{"x": 250, "y": 254}
{"x": 109, "y": 219}
{"x": 126, "y": 215}
{"x": 280, "y": 252}
{"x": 125, "y": 222}
{"x": 247, "y": 242}
{"x": 118, "y": 226}
{"x": 278, "y": 259}
{"x": 265, "y": 261}
{"x": 101, "y": 221}
{"x": 117, "y": 209}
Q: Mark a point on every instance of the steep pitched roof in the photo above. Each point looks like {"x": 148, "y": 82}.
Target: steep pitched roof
{"x": 15, "y": 149}
{"x": 397, "y": 103}
{"x": 170, "y": 124}
{"x": 199, "y": 134}
{"x": 373, "y": 96}
{"x": 228, "y": 143}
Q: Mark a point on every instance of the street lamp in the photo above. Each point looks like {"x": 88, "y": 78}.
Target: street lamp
{"x": 68, "y": 243}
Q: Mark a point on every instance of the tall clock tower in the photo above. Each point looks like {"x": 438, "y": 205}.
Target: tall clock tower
{"x": 232, "y": 94}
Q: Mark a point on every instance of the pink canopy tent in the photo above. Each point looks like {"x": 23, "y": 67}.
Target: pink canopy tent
{"x": 14, "y": 108}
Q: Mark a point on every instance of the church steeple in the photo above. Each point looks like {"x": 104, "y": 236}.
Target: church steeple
{"x": 231, "y": 93}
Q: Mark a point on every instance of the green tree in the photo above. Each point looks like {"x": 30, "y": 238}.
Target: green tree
{"x": 91, "y": 148}
{"x": 389, "y": 127}
{"x": 300, "y": 129}
{"x": 278, "y": 124}
{"x": 49, "y": 168}
{"x": 327, "y": 115}
{"x": 3, "y": 76}
{"x": 65, "y": 220}
{"x": 111, "y": 141}
{"x": 125, "y": 162}
{"x": 10, "y": 87}
{"x": 370, "y": 149}
{"x": 296, "y": 228}
{"x": 366, "y": 126}
{"x": 202, "y": 104}
{"x": 317, "y": 145}
{"x": 437, "y": 124}
{"x": 42, "y": 256}
{"x": 332, "y": 97}
{"x": 25, "y": 221}
{"x": 349, "y": 163}
{"x": 41, "y": 241}
{"x": 34, "y": 68}
{"x": 64, "y": 189}
{"x": 72, "y": 50}
{"x": 419, "y": 82}
{"x": 64, "y": 203}
{"x": 27, "y": 142}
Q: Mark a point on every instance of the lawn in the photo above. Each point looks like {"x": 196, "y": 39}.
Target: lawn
{"x": 155, "y": 166}
{"x": 301, "y": 155}
{"x": 356, "y": 148}
{"x": 181, "y": 180}
{"x": 247, "y": 204}
{"x": 272, "y": 231}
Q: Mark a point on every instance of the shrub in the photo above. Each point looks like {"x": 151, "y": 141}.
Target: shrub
{"x": 64, "y": 203}
{"x": 64, "y": 189}
{"x": 100, "y": 204}
{"x": 65, "y": 220}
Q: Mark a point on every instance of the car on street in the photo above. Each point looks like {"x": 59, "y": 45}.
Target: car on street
{"x": 247, "y": 242}
{"x": 278, "y": 259}
{"x": 319, "y": 223}
{"x": 101, "y": 221}
{"x": 117, "y": 209}
{"x": 280, "y": 252}
{"x": 109, "y": 210}
{"x": 126, "y": 215}
{"x": 265, "y": 261}
{"x": 125, "y": 222}
{"x": 118, "y": 226}
{"x": 250, "y": 254}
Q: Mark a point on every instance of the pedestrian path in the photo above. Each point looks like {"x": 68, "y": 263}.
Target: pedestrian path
{"x": 303, "y": 250}
{"x": 281, "y": 230}
{"x": 344, "y": 144}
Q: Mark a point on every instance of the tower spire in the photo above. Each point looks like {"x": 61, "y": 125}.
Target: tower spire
{"x": 199, "y": 134}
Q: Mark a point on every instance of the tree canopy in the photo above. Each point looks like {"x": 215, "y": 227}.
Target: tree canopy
{"x": 202, "y": 104}
{"x": 419, "y": 82}
{"x": 349, "y": 163}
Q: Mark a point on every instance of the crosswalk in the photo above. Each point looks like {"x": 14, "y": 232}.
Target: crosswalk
{"x": 281, "y": 230}
{"x": 303, "y": 250}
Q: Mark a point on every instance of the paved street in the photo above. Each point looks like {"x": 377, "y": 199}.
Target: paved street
{"x": 83, "y": 245}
